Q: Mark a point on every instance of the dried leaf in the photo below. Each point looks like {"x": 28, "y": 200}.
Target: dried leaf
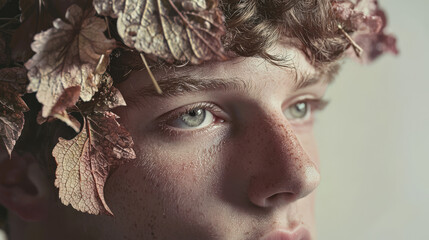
{"x": 11, "y": 115}
{"x": 37, "y": 16}
{"x": 66, "y": 56}
{"x": 109, "y": 8}
{"x": 85, "y": 162}
{"x": 107, "y": 98}
{"x": 67, "y": 99}
{"x": 16, "y": 77}
{"x": 174, "y": 30}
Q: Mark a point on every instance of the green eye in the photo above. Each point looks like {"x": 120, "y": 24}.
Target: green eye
{"x": 299, "y": 110}
{"x": 193, "y": 119}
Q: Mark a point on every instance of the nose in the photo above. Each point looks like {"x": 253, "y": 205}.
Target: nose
{"x": 285, "y": 171}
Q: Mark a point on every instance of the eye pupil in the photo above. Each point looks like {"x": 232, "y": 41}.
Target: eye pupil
{"x": 299, "y": 110}
{"x": 300, "y": 107}
{"x": 195, "y": 112}
{"x": 194, "y": 117}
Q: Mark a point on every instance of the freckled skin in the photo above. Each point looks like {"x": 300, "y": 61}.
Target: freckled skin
{"x": 238, "y": 180}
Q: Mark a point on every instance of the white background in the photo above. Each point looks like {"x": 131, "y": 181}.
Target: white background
{"x": 374, "y": 140}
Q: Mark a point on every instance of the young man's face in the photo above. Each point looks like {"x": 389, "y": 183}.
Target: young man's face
{"x": 227, "y": 153}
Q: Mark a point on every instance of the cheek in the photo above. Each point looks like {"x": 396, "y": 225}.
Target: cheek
{"x": 163, "y": 189}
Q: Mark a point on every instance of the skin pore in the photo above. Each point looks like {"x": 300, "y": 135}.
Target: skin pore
{"x": 228, "y": 152}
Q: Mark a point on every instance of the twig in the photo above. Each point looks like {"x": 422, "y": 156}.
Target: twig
{"x": 358, "y": 50}
{"x": 155, "y": 83}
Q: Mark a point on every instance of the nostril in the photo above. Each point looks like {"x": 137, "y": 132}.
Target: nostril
{"x": 280, "y": 198}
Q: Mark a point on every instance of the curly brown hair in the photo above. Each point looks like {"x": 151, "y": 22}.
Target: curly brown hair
{"x": 253, "y": 26}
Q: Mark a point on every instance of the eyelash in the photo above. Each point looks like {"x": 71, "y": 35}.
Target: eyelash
{"x": 314, "y": 104}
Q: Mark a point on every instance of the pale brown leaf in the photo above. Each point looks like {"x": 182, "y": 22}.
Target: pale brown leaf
{"x": 66, "y": 56}
{"x": 85, "y": 162}
{"x": 174, "y": 30}
{"x": 11, "y": 116}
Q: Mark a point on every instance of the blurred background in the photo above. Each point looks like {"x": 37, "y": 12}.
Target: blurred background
{"x": 374, "y": 139}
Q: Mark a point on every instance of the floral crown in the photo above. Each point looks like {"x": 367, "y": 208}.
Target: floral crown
{"x": 71, "y": 44}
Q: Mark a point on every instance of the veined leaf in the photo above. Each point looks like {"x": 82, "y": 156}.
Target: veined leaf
{"x": 11, "y": 115}
{"x": 66, "y": 56}
{"x": 85, "y": 162}
{"x": 174, "y": 30}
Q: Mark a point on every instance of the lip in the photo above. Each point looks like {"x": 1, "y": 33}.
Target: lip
{"x": 281, "y": 234}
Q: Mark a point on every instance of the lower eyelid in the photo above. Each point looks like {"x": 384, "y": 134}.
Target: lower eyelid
{"x": 189, "y": 133}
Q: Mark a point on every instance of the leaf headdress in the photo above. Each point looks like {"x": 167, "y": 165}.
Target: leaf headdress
{"x": 61, "y": 49}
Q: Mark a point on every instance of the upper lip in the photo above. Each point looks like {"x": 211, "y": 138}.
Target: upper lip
{"x": 282, "y": 234}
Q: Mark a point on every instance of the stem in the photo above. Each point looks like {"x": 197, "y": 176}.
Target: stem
{"x": 155, "y": 83}
{"x": 356, "y": 47}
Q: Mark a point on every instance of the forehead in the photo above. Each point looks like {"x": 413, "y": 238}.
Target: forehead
{"x": 250, "y": 73}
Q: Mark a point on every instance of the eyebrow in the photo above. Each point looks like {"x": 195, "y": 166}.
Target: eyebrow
{"x": 179, "y": 85}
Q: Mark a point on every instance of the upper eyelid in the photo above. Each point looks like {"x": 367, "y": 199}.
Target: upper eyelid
{"x": 175, "y": 113}
{"x": 306, "y": 98}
